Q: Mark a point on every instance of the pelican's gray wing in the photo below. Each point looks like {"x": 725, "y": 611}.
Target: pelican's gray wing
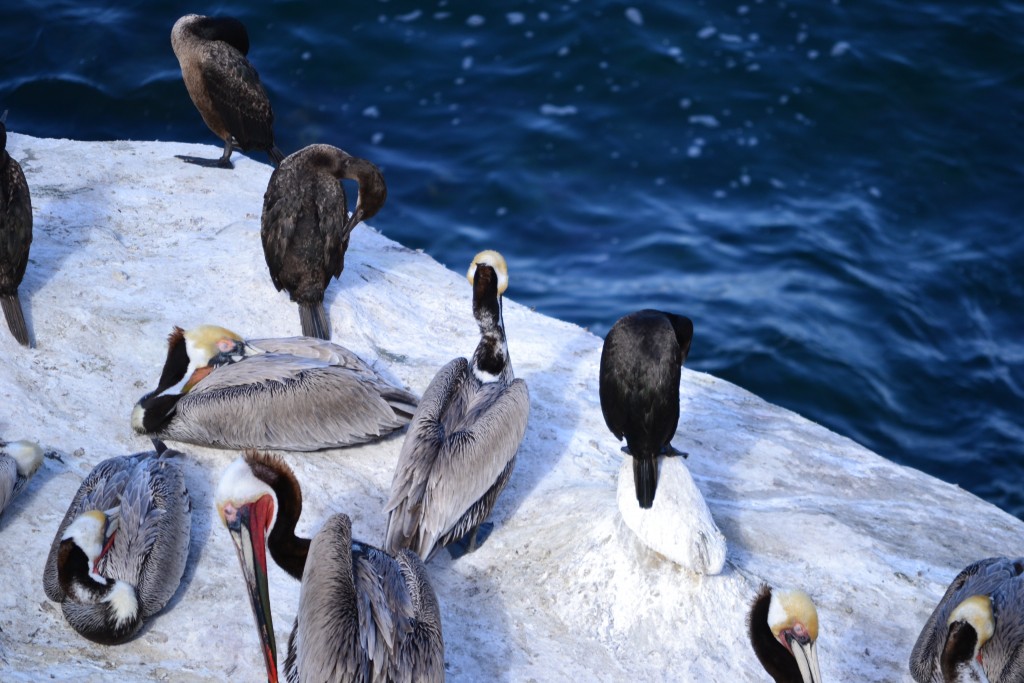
{"x": 101, "y": 490}
{"x": 311, "y": 347}
{"x": 452, "y": 465}
{"x": 1003, "y": 655}
{"x": 8, "y": 479}
{"x": 420, "y": 656}
{"x": 154, "y": 525}
{"x": 984, "y": 577}
{"x": 237, "y": 96}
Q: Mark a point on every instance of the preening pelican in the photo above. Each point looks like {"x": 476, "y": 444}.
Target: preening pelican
{"x": 119, "y": 554}
{"x": 294, "y": 394}
{"x": 363, "y": 615}
{"x": 19, "y": 460}
{"x": 783, "y": 628}
{"x": 305, "y": 225}
{"x": 639, "y": 388}
{"x": 976, "y": 632}
{"x": 463, "y": 439}
{"x": 15, "y": 237}
{"x": 224, "y": 86}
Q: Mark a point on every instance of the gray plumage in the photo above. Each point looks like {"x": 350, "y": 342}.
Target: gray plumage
{"x": 15, "y": 237}
{"x": 305, "y": 226}
{"x": 1002, "y": 580}
{"x": 462, "y": 441}
{"x": 223, "y": 85}
{"x": 364, "y": 615}
{"x": 146, "y": 495}
{"x": 296, "y": 394}
{"x": 19, "y": 460}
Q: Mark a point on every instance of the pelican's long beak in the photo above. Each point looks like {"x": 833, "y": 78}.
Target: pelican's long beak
{"x": 805, "y": 652}
{"x": 248, "y": 528}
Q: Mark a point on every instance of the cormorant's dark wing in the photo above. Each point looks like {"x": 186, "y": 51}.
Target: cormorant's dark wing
{"x": 238, "y": 97}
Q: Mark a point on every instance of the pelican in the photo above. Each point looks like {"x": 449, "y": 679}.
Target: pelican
{"x": 305, "y": 226}
{"x": 293, "y": 394}
{"x": 784, "y": 631}
{"x": 976, "y": 632}
{"x": 224, "y": 86}
{"x": 19, "y": 460}
{"x": 639, "y": 388}
{"x": 119, "y": 554}
{"x": 363, "y": 614}
{"x": 462, "y": 441}
{"x": 15, "y": 237}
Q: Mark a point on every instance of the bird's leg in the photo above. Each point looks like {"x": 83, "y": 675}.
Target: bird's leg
{"x": 223, "y": 162}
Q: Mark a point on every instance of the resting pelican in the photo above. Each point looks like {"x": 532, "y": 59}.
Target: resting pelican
{"x": 363, "y": 614}
{"x": 15, "y": 237}
{"x": 639, "y": 387}
{"x": 305, "y": 226}
{"x": 19, "y": 460}
{"x": 224, "y": 86}
{"x": 783, "y": 631}
{"x": 119, "y": 554}
{"x": 976, "y": 632}
{"x": 462, "y": 442}
{"x": 293, "y": 394}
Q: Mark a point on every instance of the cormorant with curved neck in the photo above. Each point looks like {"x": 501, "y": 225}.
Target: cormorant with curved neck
{"x": 306, "y": 227}
{"x": 15, "y": 237}
{"x": 363, "y": 614}
{"x": 639, "y": 388}
{"x": 224, "y": 86}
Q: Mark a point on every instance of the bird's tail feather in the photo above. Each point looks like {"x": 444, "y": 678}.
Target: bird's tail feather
{"x": 276, "y": 156}
{"x": 645, "y": 475}
{"x": 314, "y": 320}
{"x": 15, "y": 317}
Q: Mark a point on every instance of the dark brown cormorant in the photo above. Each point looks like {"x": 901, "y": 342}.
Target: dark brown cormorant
{"x": 363, "y": 614}
{"x": 639, "y": 387}
{"x": 306, "y": 225}
{"x": 224, "y": 86}
{"x": 783, "y": 627}
{"x": 15, "y": 236}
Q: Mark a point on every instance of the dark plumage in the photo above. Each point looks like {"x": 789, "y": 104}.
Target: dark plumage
{"x": 639, "y": 387}
{"x": 306, "y": 228}
{"x": 224, "y": 86}
{"x": 15, "y": 237}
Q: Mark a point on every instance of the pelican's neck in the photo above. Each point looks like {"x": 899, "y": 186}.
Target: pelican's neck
{"x": 490, "y": 361}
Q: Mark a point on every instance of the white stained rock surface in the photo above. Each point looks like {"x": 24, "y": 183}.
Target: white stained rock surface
{"x": 679, "y": 524}
{"x": 130, "y": 241}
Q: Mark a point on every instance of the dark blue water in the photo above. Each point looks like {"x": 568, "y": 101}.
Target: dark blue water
{"x": 831, "y": 190}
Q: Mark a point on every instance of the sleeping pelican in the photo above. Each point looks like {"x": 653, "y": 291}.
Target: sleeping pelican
{"x": 119, "y": 554}
{"x": 976, "y": 632}
{"x": 363, "y": 614}
{"x": 224, "y": 86}
{"x": 305, "y": 224}
{"x": 639, "y": 387}
{"x": 293, "y": 394}
{"x": 783, "y": 628}
{"x": 462, "y": 442}
{"x": 19, "y": 460}
{"x": 15, "y": 237}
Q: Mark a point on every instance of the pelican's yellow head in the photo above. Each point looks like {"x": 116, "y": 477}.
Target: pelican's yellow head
{"x": 792, "y": 610}
{"x": 494, "y": 260}
{"x": 976, "y": 611}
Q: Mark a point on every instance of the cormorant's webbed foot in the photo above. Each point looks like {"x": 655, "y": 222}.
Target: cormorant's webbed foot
{"x": 670, "y": 450}
{"x": 471, "y": 541}
{"x": 208, "y": 163}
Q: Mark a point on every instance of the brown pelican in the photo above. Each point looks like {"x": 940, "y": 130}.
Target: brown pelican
{"x": 639, "y": 387}
{"x": 120, "y": 552}
{"x": 19, "y": 460}
{"x": 293, "y": 394}
{"x": 224, "y": 86}
{"x": 306, "y": 226}
{"x": 363, "y": 614}
{"x": 462, "y": 441}
{"x": 783, "y": 631}
{"x": 976, "y": 632}
{"x": 15, "y": 237}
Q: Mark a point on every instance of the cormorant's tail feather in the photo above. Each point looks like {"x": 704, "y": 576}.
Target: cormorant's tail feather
{"x": 276, "y": 156}
{"x": 645, "y": 475}
{"x": 15, "y": 317}
{"x": 314, "y": 320}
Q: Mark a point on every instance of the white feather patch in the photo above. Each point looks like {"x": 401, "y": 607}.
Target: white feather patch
{"x": 122, "y": 599}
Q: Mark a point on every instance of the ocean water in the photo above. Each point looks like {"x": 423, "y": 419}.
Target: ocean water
{"x": 831, "y": 190}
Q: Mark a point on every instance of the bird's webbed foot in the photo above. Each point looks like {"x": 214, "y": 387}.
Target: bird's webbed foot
{"x": 671, "y": 451}
{"x": 207, "y": 163}
{"x": 471, "y": 541}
